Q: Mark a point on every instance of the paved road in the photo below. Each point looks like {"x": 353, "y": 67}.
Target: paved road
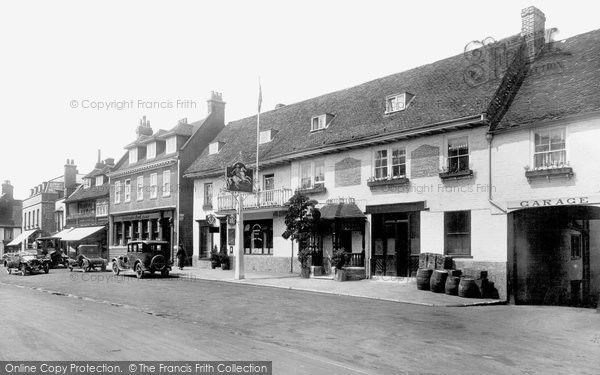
{"x": 98, "y": 316}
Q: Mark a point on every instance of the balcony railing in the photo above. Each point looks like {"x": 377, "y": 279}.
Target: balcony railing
{"x": 356, "y": 260}
{"x": 264, "y": 199}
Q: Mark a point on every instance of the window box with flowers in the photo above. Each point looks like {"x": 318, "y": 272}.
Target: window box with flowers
{"x": 387, "y": 181}
{"x": 556, "y": 170}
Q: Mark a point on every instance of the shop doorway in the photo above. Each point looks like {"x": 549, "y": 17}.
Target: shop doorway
{"x": 391, "y": 245}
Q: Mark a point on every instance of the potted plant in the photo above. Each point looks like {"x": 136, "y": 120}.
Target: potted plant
{"x": 224, "y": 261}
{"x": 215, "y": 258}
{"x": 301, "y": 222}
{"x": 338, "y": 260}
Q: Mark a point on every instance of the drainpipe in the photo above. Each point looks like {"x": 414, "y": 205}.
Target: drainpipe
{"x": 490, "y": 137}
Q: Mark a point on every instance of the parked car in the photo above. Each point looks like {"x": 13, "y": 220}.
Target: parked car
{"x": 88, "y": 258}
{"x": 27, "y": 262}
{"x": 144, "y": 256}
{"x": 57, "y": 257}
{"x": 6, "y": 256}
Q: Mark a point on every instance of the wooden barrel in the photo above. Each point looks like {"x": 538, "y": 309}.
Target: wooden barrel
{"x": 423, "y": 275}
{"x": 468, "y": 288}
{"x": 438, "y": 281}
{"x": 451, "y": 286}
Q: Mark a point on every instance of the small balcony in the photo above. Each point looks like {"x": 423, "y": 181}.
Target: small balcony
{"x": 264, "y": 199}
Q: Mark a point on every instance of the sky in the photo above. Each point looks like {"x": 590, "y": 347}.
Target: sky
{"x": 76, "y": 76}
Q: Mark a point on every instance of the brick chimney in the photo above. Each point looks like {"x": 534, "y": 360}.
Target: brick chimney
{"x": 144, "y": 128}
{"x": 7, "y": 189}
{"x": 70, "y": 177}
{"x": 99, "y": 163}
{"x": 216, "y": 105}
{"x": 532, "y": 30}
{"x": 110, "y": 162}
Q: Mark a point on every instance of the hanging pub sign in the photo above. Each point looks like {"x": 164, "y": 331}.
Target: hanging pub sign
{"x": 211, "y": 219}
{"x": 239, "y": 178}
{"x": 231, "y": 220}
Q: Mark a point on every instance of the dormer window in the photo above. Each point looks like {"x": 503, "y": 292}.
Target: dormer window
{"x": 318, "y": 123}
{"x": 133, "y": 155}
{"x": 266, "y": 136}
{"x": 171, "y": 145}
{"x": 215, "y": 147}
{"x": 99, "y": 180}
{"x": 397, "y": 102}
{"x": 87, "y": 182}
{"x": 151, "y": 150}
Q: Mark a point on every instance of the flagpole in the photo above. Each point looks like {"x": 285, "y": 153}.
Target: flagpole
{"x": 258, "y": 138}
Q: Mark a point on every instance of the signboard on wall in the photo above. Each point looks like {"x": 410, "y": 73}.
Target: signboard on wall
{"x": 231, "y": 236}
{"x": 553, "y": 202}
{"x": 239, "y": 178}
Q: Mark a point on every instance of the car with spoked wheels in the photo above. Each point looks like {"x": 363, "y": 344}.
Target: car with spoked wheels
{"x": 144, "y": 256}
{"x": 88, "y": 258}
{"x": 27, "y": 262}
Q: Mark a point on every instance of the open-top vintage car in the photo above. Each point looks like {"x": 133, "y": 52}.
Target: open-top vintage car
{"x": 144, "y": 256}
{"x": 88, "y": 258}
{"x": 26, "y": 262}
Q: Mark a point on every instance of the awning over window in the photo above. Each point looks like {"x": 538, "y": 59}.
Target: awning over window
{"x": 22, "y": 237}
{"x": 341, "y": 211}
{"x": 78, "y": 234}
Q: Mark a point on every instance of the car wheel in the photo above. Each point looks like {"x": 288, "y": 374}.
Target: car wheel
{"x": 9, "y": 270}
{"x": 165, "y": 272}
{"x": 115, "y": 268}
{"x": 23, "y": 270}
{"x": 139, "y": 272}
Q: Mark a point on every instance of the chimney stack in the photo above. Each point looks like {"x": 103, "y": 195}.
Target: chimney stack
{"x": 110, "y": 162}
{"x": 144, "y": 128}
{"x": 70, "y": 177}
{"x": 7, "y": 189}
{"x": 99, "y": 164}
{"x": 533, "y": 24}
{"x": 216, "y": 105}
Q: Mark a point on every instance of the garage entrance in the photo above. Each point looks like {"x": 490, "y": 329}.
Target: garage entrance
{"x": 554, "y": 255}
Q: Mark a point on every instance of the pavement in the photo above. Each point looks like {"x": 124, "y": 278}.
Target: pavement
{"x": 392, "y": 289}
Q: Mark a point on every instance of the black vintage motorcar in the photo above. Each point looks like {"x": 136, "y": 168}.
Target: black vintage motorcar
{"x": 57, "y": 257}
{"x": 144, "y": 256}
{"x": 27, "y": 262}
{"x": 88, "y": 258}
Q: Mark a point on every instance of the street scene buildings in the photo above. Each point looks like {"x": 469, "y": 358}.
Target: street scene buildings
{"x": 291, "y": 230}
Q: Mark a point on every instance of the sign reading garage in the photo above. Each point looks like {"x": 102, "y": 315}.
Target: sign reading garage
{"x": 552, "y": 202}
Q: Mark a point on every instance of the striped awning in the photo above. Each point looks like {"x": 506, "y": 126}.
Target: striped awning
{"x": 22, "y": 237}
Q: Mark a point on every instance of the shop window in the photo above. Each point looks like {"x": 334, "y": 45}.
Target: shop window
{"x": 457, "y": 231}
{"x": 258, "y": 237}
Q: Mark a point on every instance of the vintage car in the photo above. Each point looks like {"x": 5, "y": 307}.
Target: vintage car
{"x": 88, "y": 258}
{"x": 27, "y": 262}
{"x": 144, "y": 256}
{"x": 6, "y": 256}
{"x": 57, "y": 257}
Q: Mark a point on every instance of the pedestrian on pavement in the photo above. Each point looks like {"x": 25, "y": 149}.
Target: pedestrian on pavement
{"x": 181, "y": 255}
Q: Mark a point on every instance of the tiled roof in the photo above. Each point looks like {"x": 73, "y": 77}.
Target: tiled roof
{"x": 179, "y": 129}
{"x": 441, "y": 94}
{"x": 83, "y": 193}
{"x": 564, "y": 81}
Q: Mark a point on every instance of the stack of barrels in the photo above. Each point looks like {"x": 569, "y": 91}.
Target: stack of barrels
{"x": 435, "y": 274}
